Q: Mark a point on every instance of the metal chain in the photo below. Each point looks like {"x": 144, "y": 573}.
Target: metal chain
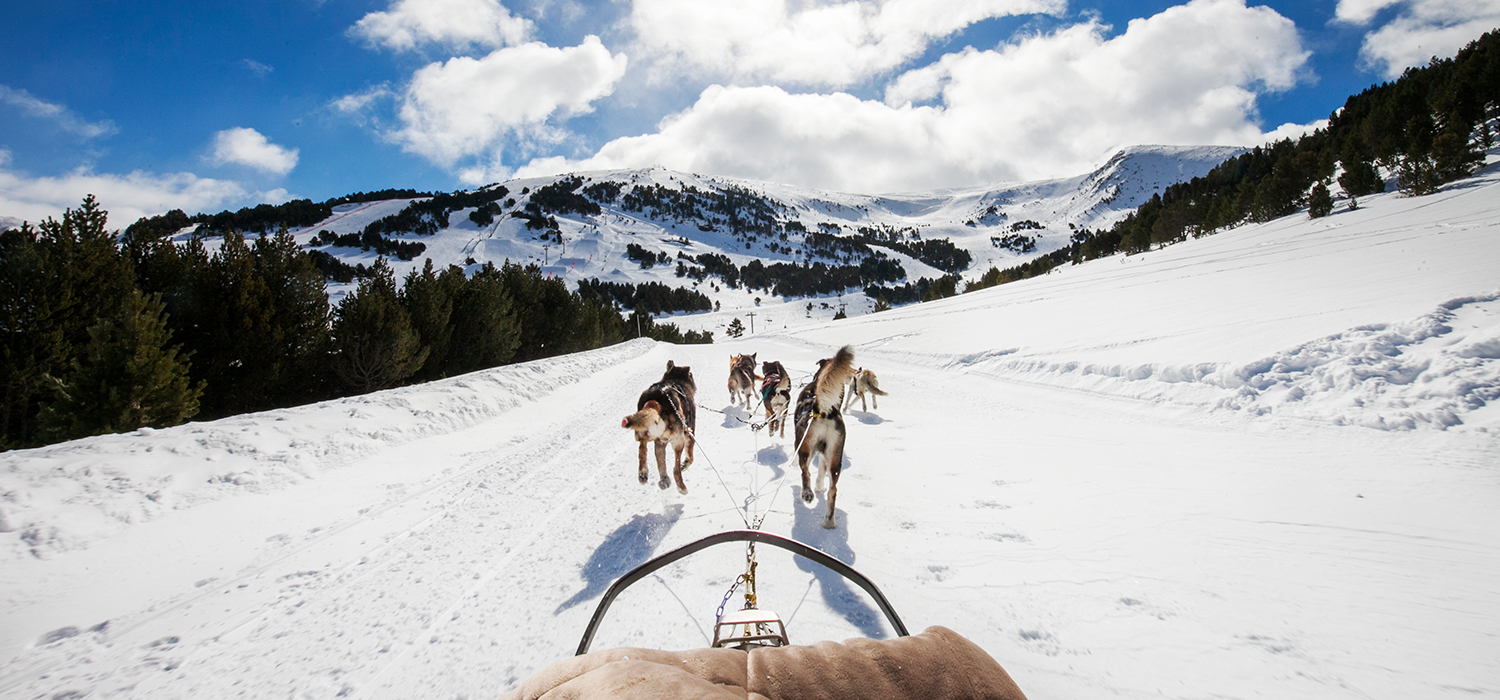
{"x": 719, "y": 614}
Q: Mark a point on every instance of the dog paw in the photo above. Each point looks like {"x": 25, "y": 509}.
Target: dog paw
{"x": 687, "y": 464}
{"x": 682, "y": 489}
{"x": 663, "y": 484}
{"x": 807, "y": 496}
{"x": 829, "y": 524}
{"x": 643, "y": 478}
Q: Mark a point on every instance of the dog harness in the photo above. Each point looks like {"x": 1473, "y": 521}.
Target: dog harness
{"x": 768, "y": 387}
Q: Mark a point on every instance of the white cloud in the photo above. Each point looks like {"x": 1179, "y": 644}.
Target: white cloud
{"x": 453, "y": 23}
{"x": 59, "y": 115}
{"x": 821, "y": 43}
{"x": 1294, "y": 131}
{"x": 359, "y": 101}
{"x": 357, "y": 105}
{"x": 277, "y": 196}
{"x": 1423, "y": 29}
{"x": 835, "y": 141}
{"x": 465, "y": 107}
{"x": 260, "y": 70}
{"x": 1049, "y": 105}
{"x": 125, "y": 197}
{"x": 244, "y": 146}
{"x": 1361, "y": 11}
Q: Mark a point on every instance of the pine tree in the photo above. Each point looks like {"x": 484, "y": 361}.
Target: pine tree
{"x": 736, "y": 328}
{"x": 257, "y": 323}
{"x": 1454, "y": 158}
{"x": 1417, "y": 175}
{"x": 126, "y": 377}
{"x": 485, "y": 332}
{"x": 1319, "y": 202}
{"x": 428, "y": 298}
{"x": 56, "y": 281}
{"x": 297, "y": 346}
{"x": 229, "y": 338}
{"x": 32, "y": 341}
{"x": 375, "y": 346}
{"x": 1360, "y": 176}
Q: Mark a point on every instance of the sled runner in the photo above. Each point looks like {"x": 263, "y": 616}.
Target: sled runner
{"x": 752, "y": 658}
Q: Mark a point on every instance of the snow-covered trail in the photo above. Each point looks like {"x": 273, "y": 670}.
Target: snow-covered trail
{"x": 1096, "y": 546}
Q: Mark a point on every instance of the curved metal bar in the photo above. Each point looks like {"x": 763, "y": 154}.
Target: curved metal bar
{"x": 786, "y": 543}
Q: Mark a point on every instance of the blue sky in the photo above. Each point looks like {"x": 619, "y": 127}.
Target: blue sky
{"x": 206, "y": 106}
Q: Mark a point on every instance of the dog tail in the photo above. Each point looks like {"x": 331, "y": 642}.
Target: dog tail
{"x": 833, "y": 377}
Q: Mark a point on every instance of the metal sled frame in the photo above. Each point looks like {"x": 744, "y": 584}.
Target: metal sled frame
{"x": 727, "y": 536}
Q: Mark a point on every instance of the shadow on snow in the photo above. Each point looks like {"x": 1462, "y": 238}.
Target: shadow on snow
{"x": 840, "y": 595}
{"x": 629, "y": 546}
{"x": 736, "y": 416}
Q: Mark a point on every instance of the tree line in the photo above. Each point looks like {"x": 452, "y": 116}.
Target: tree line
{"x": 650, "y": 297}
{"x": 102, "y": 333}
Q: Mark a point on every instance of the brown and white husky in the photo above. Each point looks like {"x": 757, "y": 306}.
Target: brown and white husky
{"x": 776, "y": 396}
{"x": 820, "y": 426}
{"x": 742, "y": 379}
{"x": 667, "y": 412}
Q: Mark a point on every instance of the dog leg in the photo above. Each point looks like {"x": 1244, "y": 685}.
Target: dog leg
{"x": 836, "y": 459}
{"x": 643, "y": 460}
{"x": 803, "y": 455}
{"x": 677, "y": 469}
{"x": 691, "y": 442}
{"x": 661, "y": 464}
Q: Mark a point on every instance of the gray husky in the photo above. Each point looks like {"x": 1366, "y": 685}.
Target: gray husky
{"x": 742, "y": 379}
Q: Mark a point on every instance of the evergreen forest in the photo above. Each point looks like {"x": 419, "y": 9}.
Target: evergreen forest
{"x": 103, "y": 333}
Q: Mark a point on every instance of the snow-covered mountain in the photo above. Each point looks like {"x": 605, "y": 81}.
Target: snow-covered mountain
{"x": 1031, "y": 218}
{"x": 1259, "y": 463}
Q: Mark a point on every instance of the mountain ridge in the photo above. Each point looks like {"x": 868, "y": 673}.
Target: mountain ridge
{"x": 995, "y": 224}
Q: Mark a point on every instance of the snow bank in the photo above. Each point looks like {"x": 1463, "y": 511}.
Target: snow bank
{"x": 67, "y": 496}
{"x": 1425, "y": 372}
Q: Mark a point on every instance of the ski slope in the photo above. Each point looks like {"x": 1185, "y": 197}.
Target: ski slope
{"x": 595, "y": 246}
{"x": 1259, "y": 464}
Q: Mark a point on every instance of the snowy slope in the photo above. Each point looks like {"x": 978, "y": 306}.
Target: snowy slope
{"x": 594, "y": 246}
{"x": 1258, "y": 464}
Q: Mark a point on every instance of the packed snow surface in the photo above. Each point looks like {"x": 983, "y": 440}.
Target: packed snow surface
{"x": 1262, "y": 463}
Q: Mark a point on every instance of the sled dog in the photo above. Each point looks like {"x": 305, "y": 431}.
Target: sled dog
{"x": 742, "y": 379}
{"x": 820, "y": 426}
{"x": 667, "y": 412}
{"x": 864, "y": 382}
{"x": 775, "y": 395}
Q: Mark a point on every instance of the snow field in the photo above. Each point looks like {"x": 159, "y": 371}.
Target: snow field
{"x": 1258, "y": 464}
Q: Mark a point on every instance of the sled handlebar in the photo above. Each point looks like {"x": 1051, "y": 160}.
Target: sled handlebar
{"x": 759, "y": 536}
